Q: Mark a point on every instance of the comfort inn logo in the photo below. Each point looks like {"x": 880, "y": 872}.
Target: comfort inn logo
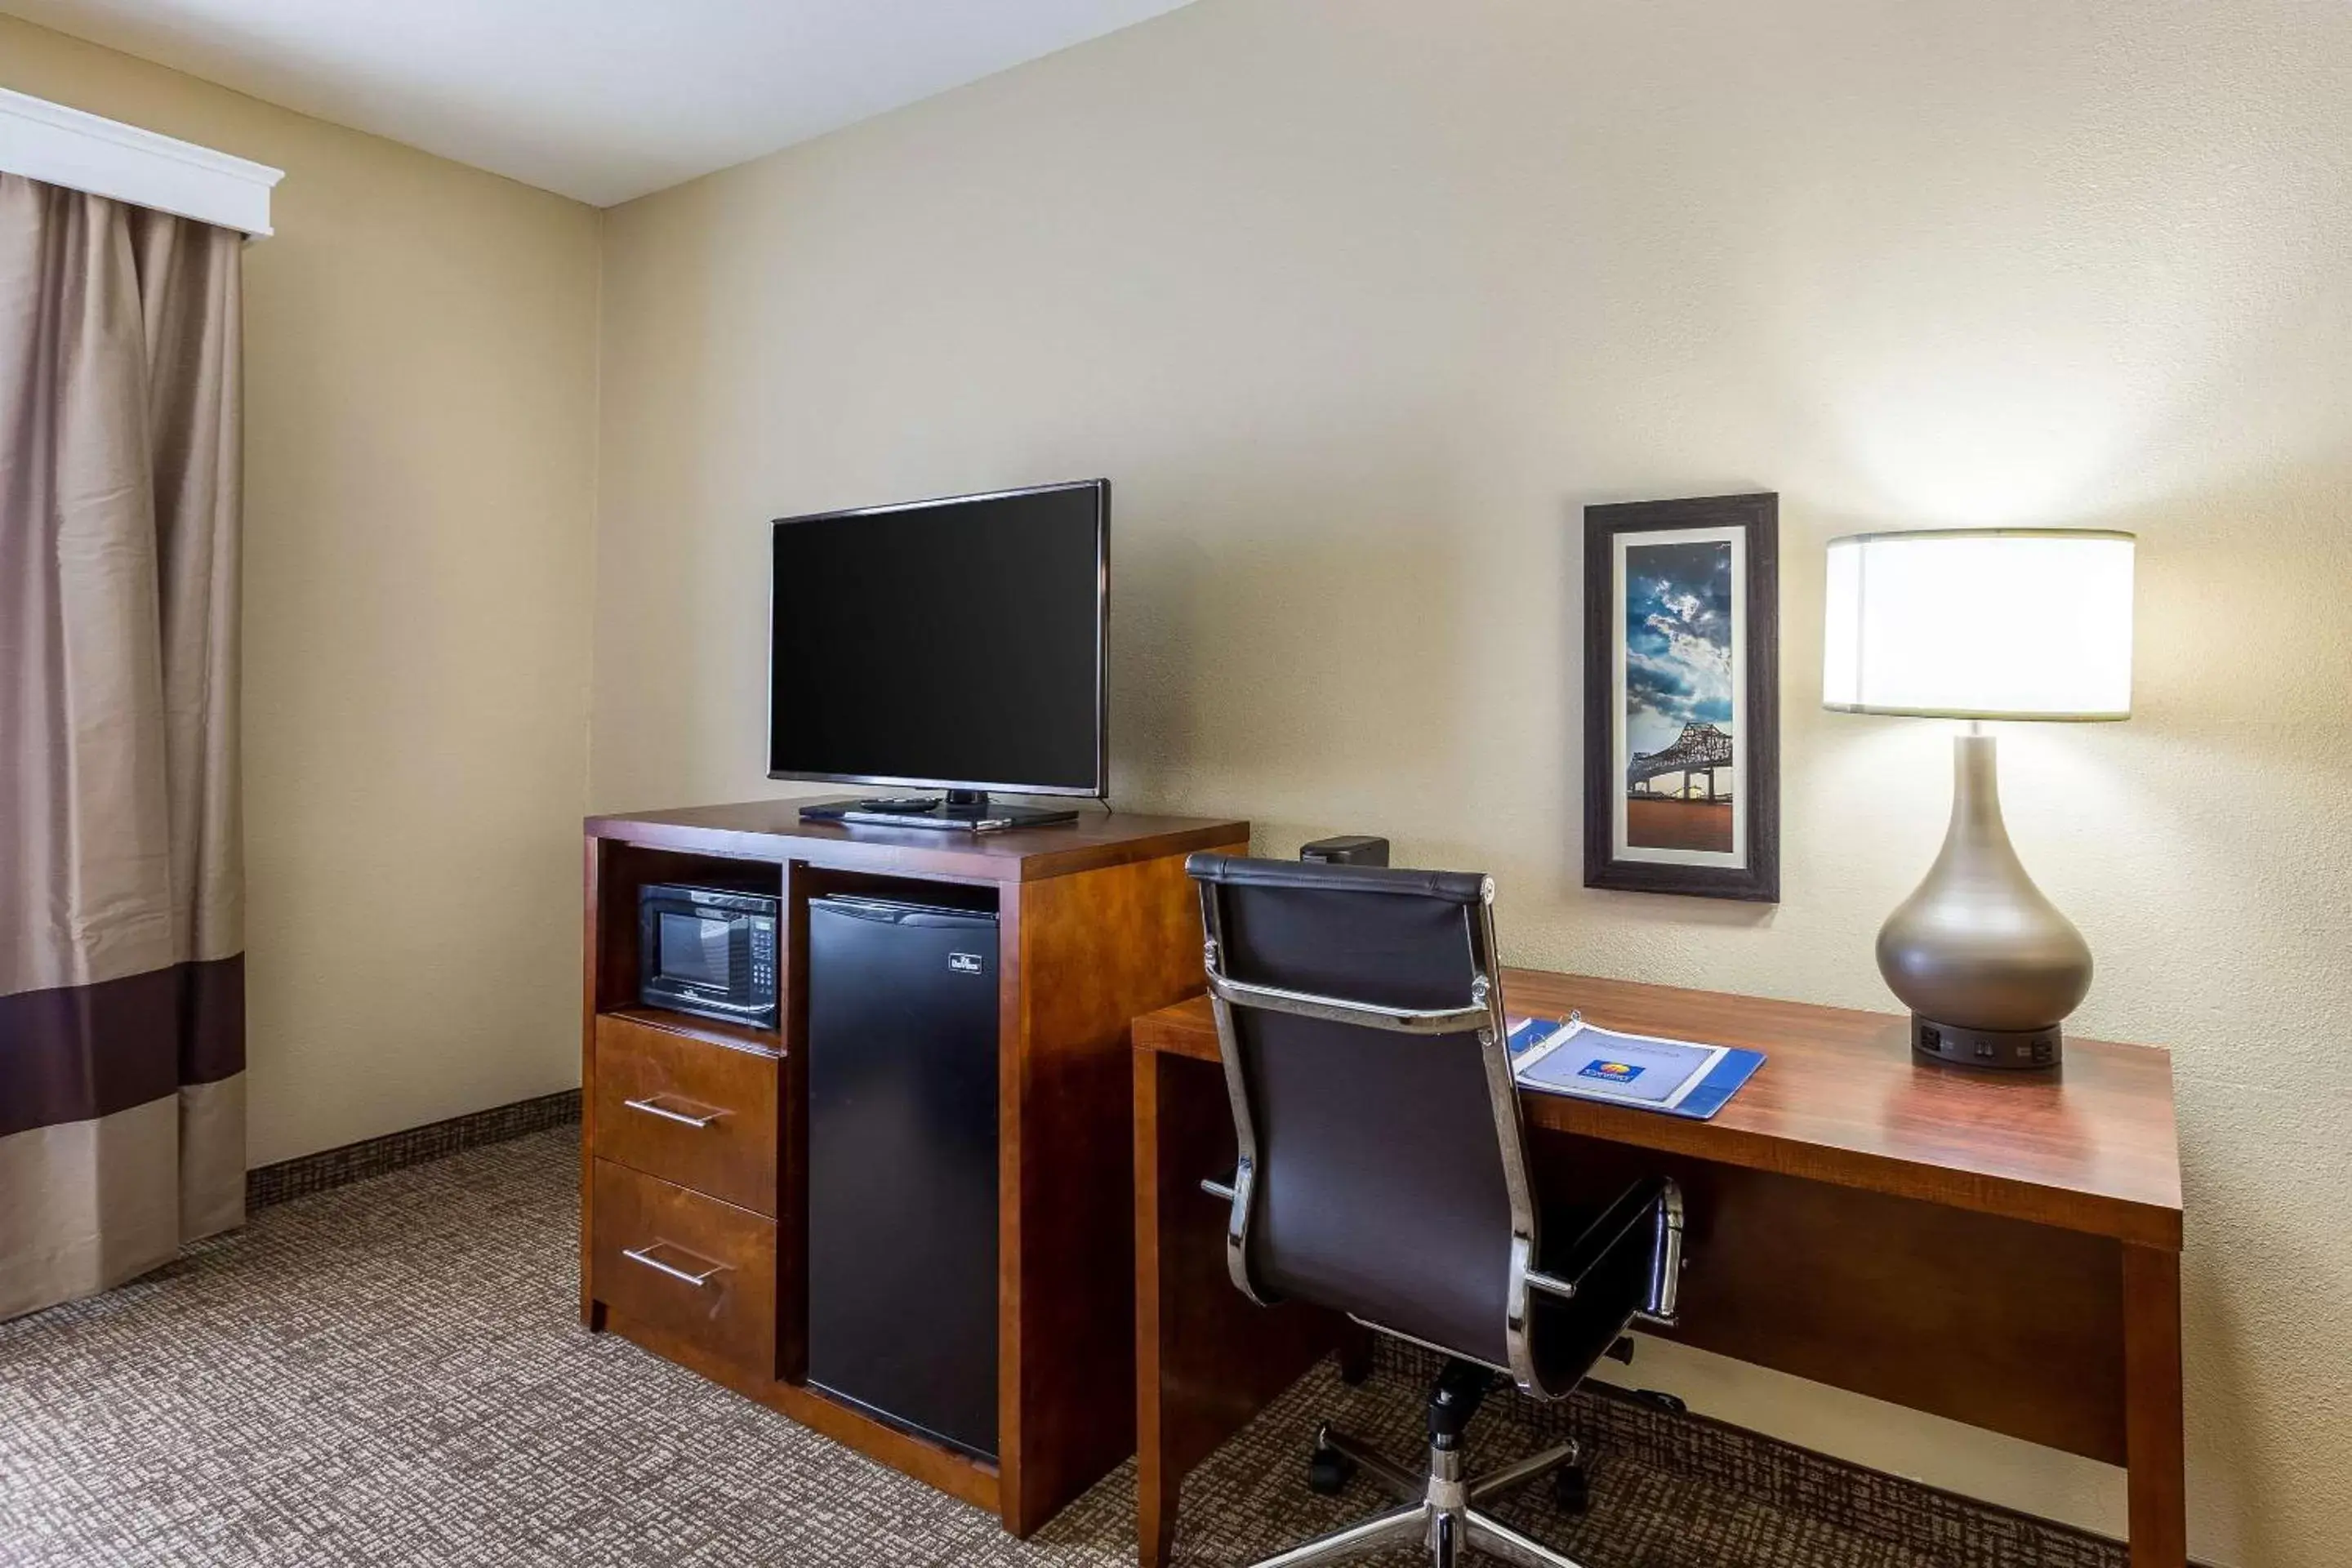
{"x": 1615, "y": 1072}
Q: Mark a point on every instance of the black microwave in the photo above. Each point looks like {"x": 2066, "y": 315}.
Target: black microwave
{"x": 708, "y": 952}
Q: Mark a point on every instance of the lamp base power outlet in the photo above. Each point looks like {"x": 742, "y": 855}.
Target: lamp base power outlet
{"x": 2027, "y": 1050}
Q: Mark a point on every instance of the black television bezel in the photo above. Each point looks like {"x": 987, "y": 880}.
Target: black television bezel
{"x": 1100, "y": 790}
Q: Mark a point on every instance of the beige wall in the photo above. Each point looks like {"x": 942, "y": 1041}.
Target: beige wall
{"x": 420, "y": 460}
{"x": 1358, "y": 302}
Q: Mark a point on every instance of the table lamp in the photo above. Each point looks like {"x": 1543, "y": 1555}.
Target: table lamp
{"x": 1980, "y": 623}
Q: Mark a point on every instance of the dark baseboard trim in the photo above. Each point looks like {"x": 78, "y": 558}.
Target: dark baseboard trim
{"x": 1943, "y": 1527}
{"x": 306, "y": 1174}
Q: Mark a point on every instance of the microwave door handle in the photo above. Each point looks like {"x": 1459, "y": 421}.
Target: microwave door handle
{"x": 652, "y": 1107}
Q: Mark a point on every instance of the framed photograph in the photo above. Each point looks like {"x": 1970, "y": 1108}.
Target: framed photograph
{"x": 1682, "y": 718}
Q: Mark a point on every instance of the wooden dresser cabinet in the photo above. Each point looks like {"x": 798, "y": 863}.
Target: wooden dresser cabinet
{"x": 695, "y": 1143}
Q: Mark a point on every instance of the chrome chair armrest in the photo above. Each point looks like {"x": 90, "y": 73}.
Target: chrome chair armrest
{"x": 1665, "y": 1259}
{"x": 1234, "y": 1192}
{"x": 1658, "y": 1202}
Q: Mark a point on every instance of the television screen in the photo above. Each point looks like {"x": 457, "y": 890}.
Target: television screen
{"x": 946, "y": 644}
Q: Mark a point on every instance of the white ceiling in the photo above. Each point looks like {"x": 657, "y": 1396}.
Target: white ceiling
{"x": 599, "y": 99}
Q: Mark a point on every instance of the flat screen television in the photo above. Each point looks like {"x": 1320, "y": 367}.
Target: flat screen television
{"x": 956, "y": 645}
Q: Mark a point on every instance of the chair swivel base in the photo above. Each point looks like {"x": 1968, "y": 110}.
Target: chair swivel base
{"x": 1437, "y": 1511}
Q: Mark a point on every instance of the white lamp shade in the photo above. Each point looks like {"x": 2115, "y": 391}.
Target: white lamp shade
{"x": 1980, "y": 623}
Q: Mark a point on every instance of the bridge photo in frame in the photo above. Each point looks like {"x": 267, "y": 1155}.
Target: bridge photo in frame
{"x": 1682, "y": 697}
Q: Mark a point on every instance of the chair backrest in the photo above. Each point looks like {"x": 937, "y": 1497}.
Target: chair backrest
{"x": 1382, "y": 1167}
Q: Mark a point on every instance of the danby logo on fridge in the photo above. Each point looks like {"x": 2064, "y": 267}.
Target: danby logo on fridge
{"x": 964, "y": 963}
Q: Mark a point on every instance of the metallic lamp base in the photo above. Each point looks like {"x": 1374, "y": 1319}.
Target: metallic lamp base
{"x": 2015, "y": 1049}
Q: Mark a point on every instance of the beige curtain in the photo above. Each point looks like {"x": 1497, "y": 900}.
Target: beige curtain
{"x": 122, "y": 972}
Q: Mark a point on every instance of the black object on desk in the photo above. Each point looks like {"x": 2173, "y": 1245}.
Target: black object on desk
{"x": 1347, "y": 849}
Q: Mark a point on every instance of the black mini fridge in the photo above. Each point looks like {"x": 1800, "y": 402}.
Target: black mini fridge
{"x": 902, "y": 1087}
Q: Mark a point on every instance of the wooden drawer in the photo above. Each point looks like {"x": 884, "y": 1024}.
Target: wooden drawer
{"x": 689, "y": 1111}
{"x": 690, "y": 1264}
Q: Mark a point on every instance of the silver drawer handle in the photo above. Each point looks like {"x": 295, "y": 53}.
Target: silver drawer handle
{"x": 646, "y": 1258}
{"x": 684, "y": 1119}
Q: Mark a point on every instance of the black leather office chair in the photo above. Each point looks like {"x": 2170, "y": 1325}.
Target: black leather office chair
{"x": 1383, "y": 1173}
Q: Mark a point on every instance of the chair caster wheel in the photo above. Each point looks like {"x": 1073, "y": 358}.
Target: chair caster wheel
{"x": 1571, "y": 1489}
{"x": 1329, "y": 1471}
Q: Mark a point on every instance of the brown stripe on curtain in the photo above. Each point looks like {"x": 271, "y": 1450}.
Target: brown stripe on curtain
{"x": 83, "y": 1051}
{"x": 121, "y": 983}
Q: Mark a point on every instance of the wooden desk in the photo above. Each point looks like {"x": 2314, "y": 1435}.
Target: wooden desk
{"x": 2002, "y": 1251}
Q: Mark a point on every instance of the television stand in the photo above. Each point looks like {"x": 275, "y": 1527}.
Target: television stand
{"x": 965, "y": 810}
{"x": 1096, "y": 922}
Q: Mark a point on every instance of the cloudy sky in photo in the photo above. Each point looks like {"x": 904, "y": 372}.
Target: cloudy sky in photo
{"x": 1678, "y": 641}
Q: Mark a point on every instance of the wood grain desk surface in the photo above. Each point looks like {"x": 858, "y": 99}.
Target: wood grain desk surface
{"x": 1841, "y": 1098}
{"x": 756, "y": 829}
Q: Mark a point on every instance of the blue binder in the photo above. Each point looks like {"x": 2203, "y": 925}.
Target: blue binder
{"x": 1583, "y": 1060}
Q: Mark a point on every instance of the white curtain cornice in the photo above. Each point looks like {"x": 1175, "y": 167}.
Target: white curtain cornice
{"x": 61, "y": 146}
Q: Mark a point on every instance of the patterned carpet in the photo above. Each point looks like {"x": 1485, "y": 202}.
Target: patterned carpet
{"x": 393, "y": 1373}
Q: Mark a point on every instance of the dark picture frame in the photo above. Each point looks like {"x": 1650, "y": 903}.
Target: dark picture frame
{"x": 1682, "y": 635}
